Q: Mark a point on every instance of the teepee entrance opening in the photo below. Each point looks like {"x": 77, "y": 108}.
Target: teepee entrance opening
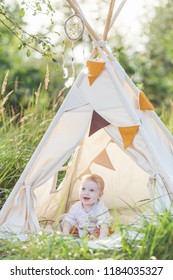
{"x": 125, "y": 194}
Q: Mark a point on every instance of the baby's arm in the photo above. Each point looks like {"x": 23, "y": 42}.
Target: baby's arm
{"x": 69, "y": 219}
{"x": 66, "y": 227}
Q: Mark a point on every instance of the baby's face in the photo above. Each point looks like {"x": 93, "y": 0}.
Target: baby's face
{"x": 89, "y": 193}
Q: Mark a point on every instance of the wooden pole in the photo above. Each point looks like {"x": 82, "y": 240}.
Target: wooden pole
{"x": 108, "y": 20}
{"x": 117, "y": 13}
{"x": 75, "y": 6}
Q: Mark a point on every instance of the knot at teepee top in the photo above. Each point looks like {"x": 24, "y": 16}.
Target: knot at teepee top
{"x": 100, "y": 43}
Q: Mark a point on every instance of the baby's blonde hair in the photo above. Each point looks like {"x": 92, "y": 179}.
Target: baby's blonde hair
{"x": 95, "y": 178}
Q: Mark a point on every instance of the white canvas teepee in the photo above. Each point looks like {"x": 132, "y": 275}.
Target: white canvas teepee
{"x": 107, "y": 126}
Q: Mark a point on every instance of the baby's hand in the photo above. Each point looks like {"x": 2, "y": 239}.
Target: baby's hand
{"x": 94, "y": 235}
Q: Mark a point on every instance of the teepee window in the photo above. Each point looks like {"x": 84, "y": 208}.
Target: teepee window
{"x": 60, "y": 176}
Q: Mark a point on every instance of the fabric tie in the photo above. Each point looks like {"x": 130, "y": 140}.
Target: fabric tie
{"x": 99, "y": 43}
{"x": 29, "y": 199}
{"x": 29, "y": 194}
{"x": 156, "y": 178}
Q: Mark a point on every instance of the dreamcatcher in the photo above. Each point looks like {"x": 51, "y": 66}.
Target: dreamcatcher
{"x": 74, "y": 27}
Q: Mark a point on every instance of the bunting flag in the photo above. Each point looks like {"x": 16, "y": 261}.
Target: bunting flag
{"x": 97, "y": 123}
{"x": 144, "y": 102}
{"x": 94, "y": 69}
{"x": 86, "y": 172}
{"x": 91, "y": 79}
{"x": 128, "y": 134}
{"x": 103, "y": 159}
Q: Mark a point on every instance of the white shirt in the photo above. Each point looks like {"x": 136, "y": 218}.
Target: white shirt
{"x": 87, "y": 220}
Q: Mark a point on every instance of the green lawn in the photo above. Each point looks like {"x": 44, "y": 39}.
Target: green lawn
{"x": 153, "y": 240}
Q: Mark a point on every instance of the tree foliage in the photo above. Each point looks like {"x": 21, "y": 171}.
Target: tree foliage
{"x": 153, "y": 67}
{"x": 12, "y": 17}
{"x": 19, "y": 49}
{"x": 24, "y": 74}
{"x": 155, "y": 64}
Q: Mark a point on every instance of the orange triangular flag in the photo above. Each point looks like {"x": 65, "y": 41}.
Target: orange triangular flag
{"x": 91, "y": 79}
{"x": 128, "y": 134}
{"x": 97, "y": 123}
{"x": 94, "y": 69}
{"x": 144, "y": 102}
{"x": 103, "y": 159}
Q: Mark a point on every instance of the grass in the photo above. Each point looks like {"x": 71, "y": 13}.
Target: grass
{"x": 153, "y": 240}
{"x": 18, "y": 140}
{"x": 18, "y": 136}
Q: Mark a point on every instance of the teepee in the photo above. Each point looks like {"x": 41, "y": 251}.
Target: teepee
{"x": 107, "y": 126}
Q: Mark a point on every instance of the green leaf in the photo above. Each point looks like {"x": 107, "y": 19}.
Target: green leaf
{"x": 20, "y": 46}
{"x": 38, "y": 6}
{"x": 28, "y": 53}
{"x": 54, "y": 60}
{"x": 22, "y": 13}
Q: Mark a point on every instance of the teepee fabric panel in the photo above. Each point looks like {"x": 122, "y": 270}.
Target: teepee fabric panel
{"x": 132, "y": 93}
{"x": 20, "y": 215}
{"x": 75, "y": 99}
{"x": 137, "y": 151}
{"x": 72, "y": 129}
{"x": 123, "y": 185}
{"x": 57, "y": 202}
{"x": 103, "y": 94}
{"x": 105, "y": 99}
{"x": 161, "y": 200}
{"x": 119, "y": 117}
{"x": 129, "y": 87}
{"x": 48, "y": 201}
{"x": 145, "y": 154}
{"x": 159, "y": 142}
{"x": 91, "y": 148}
{"x": 119, "y": 71}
